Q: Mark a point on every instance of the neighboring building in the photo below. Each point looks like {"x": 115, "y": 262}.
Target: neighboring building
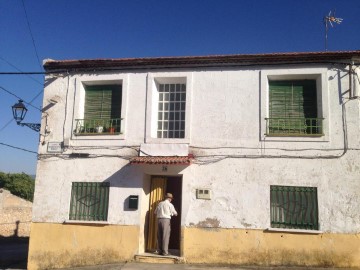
{"x": 260, "y": 151}
{"x": 15, "y": 217}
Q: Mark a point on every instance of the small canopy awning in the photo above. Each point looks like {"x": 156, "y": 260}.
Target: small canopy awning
{"x": 172, "y": 160}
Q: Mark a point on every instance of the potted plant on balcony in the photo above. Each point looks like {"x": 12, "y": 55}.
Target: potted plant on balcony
{"x": 80, "y": 128}
{"x": 111, "y": 129}
{"x": 98, "y": 127}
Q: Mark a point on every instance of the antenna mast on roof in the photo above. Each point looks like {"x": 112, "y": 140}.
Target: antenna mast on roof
{"x": 330, "y": 19}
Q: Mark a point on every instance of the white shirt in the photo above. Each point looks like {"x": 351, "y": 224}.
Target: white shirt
{"x": 165, "y": 209}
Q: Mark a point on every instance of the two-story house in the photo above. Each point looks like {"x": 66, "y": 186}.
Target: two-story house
{"x": 261, "y": 153}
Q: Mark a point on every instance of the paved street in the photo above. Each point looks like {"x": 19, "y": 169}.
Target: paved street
{"x": 13, "y": 253}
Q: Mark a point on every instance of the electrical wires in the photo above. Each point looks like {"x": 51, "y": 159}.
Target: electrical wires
{"x": 19, "y": 148}
{"x": 28, "y": 103}
{"x": 31, "y": 34}
{"x": 20, "y": 72}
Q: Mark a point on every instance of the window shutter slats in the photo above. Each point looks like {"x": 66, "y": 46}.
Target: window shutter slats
{"x": 296, "y": 99}
{"x": 293, "y": 108}
{"x": 103, "y": 102}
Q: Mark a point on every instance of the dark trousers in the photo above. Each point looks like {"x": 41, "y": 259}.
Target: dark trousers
{"x": 163, "y": 235}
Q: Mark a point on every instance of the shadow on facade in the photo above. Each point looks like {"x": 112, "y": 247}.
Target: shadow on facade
{"x": 127, "y": 177}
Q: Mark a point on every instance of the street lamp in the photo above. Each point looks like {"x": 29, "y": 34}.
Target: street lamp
{"x": 19, "y": 111}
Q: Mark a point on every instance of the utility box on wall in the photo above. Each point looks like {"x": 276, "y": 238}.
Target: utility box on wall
{"x": 204, "y": 194}
{"x": 133, "y": 201}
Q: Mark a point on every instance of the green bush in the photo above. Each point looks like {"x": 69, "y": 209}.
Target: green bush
{"x": 19, "y": 184}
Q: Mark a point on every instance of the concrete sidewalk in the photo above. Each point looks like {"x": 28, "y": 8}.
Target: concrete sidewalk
{"x": 155, "y": 266}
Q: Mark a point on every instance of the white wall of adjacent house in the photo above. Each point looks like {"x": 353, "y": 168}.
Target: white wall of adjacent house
{"x": 225, "y": 126}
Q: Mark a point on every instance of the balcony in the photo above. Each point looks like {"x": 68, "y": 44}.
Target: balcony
{"x": 294, "y": 127}
{"x": 85, "y": 127}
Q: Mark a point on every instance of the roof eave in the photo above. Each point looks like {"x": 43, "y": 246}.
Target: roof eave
{"x": 202, "y": 61}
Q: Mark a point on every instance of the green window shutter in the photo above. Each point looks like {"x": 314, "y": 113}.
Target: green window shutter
{"x": 293, "y": 99}
{"x": 103, "y": 102}
{"x": 293, "y": 108}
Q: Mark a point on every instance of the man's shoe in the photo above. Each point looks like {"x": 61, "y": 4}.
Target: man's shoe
{"x": 165, "y": 254}
{"x": 157, "y": 252}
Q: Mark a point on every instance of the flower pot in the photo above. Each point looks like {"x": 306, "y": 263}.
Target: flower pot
{"x": 111, "y": 130}
{"x": 99, "y": 129}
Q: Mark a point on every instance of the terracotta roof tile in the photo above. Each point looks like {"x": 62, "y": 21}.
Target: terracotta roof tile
{"x": 173, "y": 160}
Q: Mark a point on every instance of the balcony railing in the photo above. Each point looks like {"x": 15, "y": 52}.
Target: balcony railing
{"x": 98, "y": 126}
{"x": 294, "y": 127}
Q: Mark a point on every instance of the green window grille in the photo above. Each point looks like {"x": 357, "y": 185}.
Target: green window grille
{"x": 294, "y": 207}
{"x": 103, "y": 102}
{"x": 89, "y": 201}
{"x": 293, "y": 108}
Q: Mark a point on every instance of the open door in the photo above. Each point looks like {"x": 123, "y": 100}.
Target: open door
{"x": 159, "y": 186}
{"x": 173, "y": 186}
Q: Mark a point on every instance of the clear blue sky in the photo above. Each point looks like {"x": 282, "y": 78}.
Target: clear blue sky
{"x": 68, "y": 29}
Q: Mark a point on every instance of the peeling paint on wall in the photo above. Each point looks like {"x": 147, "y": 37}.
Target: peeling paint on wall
{"x": 207, "y": 223}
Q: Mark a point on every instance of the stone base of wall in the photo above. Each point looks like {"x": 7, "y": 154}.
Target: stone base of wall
{"x": 15, "y": 215}
{"x": 71, "y": 245}
{"x": 258, "y": 247}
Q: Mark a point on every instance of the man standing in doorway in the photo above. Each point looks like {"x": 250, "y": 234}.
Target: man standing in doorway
{"x": 164, "y": 211}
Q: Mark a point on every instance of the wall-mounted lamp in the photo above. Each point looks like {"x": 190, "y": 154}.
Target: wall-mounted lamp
{"x": 19, "y": 111}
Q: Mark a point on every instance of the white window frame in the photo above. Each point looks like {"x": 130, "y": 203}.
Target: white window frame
{"x": 79, "y": 105}
{"x": 318, "y": 74}
{"x": 153, "y": 82}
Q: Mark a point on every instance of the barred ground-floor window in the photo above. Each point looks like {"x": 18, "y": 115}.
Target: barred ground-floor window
{"x": 294, "y": 207}
{"x": 89, "y": 201}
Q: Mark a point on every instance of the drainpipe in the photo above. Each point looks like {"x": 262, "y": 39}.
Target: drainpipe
{"x": 356, "y": 81}
{"x": 350, "y": 80}
{"x": 146, "y": 98}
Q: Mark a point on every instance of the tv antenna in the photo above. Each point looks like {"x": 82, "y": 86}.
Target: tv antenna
{"x": 330, "y": 19}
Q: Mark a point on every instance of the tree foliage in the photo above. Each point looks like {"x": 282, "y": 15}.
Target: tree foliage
{"x": 19, "y": 184}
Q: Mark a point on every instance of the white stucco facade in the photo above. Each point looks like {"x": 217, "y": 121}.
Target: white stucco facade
{"x": 225, "y": 131}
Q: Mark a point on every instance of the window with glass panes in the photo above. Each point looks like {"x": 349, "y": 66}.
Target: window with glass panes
{"x": 89, "y": 201}
{"x": 171, "y": 111}
{"x": 294, "y": 207}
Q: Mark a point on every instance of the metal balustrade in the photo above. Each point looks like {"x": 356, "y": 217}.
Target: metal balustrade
{"x": 294, "y": 126}
{"x": 98, "y": 126}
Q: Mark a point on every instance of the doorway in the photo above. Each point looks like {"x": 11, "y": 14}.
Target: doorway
{"x": 160, "y": 185}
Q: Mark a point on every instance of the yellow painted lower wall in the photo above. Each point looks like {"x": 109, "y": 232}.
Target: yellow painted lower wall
{"x": 64, "y": 245}
{"x": 69, "y": 245}
{"x": 258, "y": 247}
